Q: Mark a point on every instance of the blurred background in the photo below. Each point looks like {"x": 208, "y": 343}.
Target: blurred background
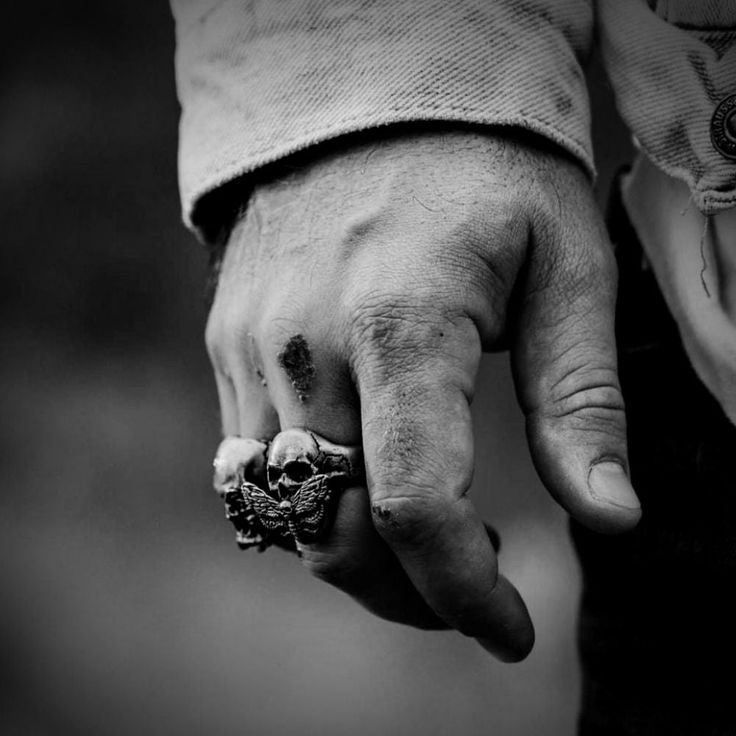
{"x": 126, "y": 606}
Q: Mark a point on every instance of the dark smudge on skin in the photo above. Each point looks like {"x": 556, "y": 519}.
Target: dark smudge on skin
{"x": 381, "y": 511}
{"x": 296, "y": 360}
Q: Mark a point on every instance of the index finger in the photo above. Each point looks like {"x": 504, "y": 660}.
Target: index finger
{"x": 418, "y": 445}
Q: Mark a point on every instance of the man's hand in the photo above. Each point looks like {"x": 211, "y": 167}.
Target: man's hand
{"x": 355, "y": 297}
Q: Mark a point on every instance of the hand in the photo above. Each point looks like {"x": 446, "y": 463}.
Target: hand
{"x": 355, "y": 297}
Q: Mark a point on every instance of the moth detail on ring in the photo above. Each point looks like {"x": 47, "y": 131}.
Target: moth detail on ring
{"x": 295, "y": 499}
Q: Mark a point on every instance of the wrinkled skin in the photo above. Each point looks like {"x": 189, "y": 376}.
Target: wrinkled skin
{"x": 400, "y": 260}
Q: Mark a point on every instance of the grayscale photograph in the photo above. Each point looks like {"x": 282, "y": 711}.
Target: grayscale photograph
{"x": 368, "y": 368}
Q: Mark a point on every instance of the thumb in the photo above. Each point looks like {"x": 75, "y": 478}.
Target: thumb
{"x": 564, "y": 363}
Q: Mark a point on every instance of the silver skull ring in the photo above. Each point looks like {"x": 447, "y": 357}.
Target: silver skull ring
{"x": 285, "y": 492}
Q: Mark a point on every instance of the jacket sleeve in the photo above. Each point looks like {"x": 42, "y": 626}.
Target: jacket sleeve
{"x": 672, "y": 64}
{"x": 260, "y": 79}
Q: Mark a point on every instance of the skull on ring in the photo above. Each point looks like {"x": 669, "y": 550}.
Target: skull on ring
{"x": 292, "y": 460}
{"x": 296, "y": 456}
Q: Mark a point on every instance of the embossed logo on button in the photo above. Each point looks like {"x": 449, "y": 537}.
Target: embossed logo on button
{"x": 723, "y": 127}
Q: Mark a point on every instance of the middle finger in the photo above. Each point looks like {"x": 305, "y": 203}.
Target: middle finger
{"x": 310, "y": 388}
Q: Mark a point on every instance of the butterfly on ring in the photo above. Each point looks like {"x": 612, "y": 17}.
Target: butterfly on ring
{"x": 262, "y": 519}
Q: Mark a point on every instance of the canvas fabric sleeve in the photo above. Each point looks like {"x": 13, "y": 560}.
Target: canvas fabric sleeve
{"x": 672, "y": 64}
{"x": 261, "y": 79}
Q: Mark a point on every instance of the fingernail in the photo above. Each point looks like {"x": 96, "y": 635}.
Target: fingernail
{"x": 609, "y": 483}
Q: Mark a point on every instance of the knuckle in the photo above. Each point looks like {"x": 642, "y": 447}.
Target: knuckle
{"x": 410, "y": 520}
{"x": 397, "y": 330}
{"x": 588, "y": 398}
{"x": 383, "y": 319}
{"x": 597, "y": 410}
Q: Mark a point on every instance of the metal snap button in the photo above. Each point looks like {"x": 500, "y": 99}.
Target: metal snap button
{"x": 723, "y": 127}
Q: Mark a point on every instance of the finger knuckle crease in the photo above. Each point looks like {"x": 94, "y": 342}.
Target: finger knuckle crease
{"x": 595, "y": 403}
{"x": 409, "y": 520}
{"x": 388, "y": 325}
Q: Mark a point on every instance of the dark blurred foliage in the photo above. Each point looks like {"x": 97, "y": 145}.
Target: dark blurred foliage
{"x": 126, "y": 607}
